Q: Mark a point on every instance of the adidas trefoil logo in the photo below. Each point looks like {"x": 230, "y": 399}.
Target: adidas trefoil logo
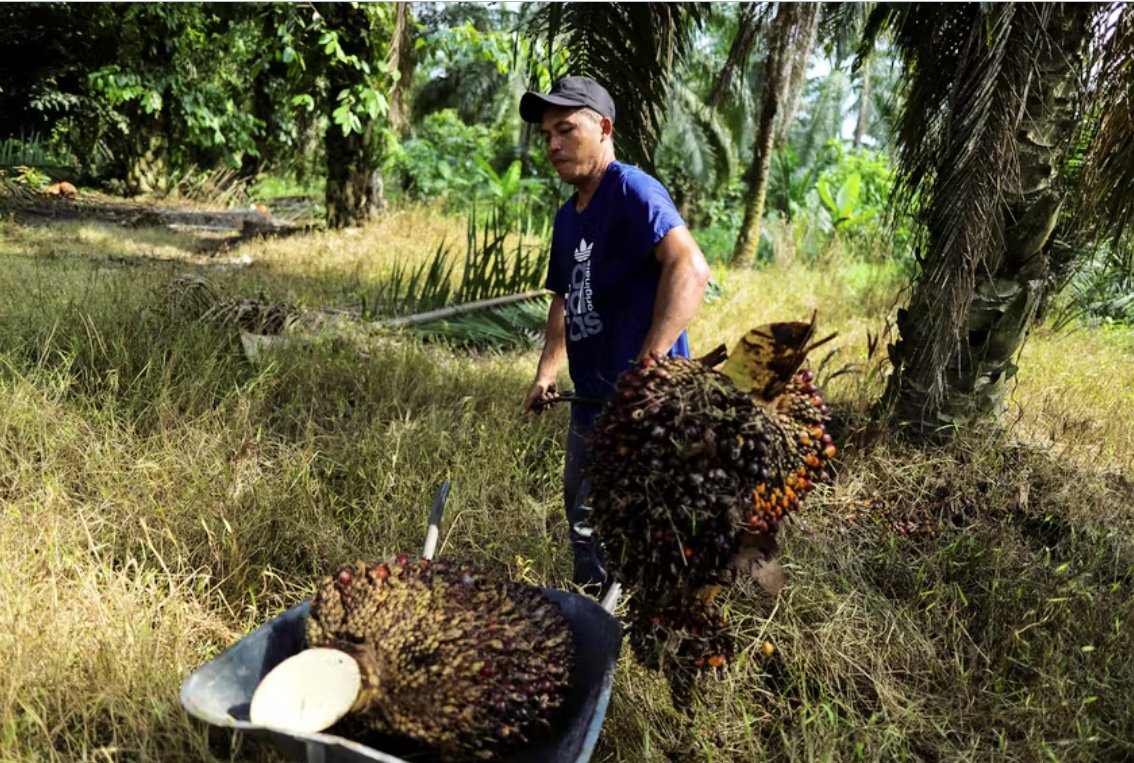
{"x": 583, "y": 251}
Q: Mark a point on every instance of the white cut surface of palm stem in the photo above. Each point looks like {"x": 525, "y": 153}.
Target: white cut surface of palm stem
{"x": 308, "y": 692}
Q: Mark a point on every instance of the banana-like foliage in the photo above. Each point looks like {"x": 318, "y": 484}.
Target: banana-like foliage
{"x": 632, "y": 49}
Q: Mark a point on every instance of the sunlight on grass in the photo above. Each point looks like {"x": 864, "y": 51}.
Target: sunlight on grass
{"x": 1076, "y": 391}
{"x": 161, "y": 496}
{"x": 365, "y": 254}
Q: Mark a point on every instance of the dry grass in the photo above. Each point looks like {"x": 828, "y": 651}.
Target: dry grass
{"x": 161, "y": 496}
{"x": 1076, "y": 392}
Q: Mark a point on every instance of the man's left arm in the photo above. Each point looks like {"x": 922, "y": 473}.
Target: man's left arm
{"x": 685, "y": 274}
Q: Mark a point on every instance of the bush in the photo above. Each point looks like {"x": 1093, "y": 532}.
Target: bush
{"x": 441, "y": 160}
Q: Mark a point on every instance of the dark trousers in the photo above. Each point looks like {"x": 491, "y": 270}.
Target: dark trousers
{"x": 589, "y": 570}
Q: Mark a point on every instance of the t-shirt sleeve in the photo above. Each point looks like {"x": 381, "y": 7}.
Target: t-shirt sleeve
{"x": 551, "y": 283}
{"x": 654, "y": 211}
{"x": 556, "y": 280}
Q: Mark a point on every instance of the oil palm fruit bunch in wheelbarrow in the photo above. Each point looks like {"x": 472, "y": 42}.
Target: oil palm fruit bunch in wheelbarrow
{"x": 694, "y": 470}
{"x": 467, "y": 663}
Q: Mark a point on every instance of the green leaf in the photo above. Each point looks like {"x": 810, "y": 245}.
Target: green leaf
{"x": 825, "y": 194}
{"x": 304, "y": 100}
{"x": 511, "y": 179}
{"x": 152, "y": 102}
{"x": 848, "y": 195}
{"x": 341, "y": 115}
{"x": 480, "y": 162}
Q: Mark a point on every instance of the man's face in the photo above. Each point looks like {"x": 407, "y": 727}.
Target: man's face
{"x": 575, "y": 141}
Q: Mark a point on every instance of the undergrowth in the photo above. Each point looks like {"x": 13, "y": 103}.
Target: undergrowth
{"x": 162, "y": 496}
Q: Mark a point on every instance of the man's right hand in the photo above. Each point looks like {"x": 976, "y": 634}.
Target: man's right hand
{"x": 542, "y": 394}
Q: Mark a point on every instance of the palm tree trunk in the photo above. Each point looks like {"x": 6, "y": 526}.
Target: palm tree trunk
{"x": 354, "y": 179}
{"x": 147, "y": 169}
{"x": 792, "y": 21}
{"x": 1008, "y": 283}
{"x": 795, "y": 76}
{"x": 747, "y": 29}
{"x": 400, "y": 59}
{"x": 354, "y": 192}
{"x": 863, "y": 104}
{"x": 263, "y": 108}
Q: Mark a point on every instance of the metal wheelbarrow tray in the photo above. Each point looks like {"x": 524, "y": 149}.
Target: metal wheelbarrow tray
{"x": 220, "y": 691}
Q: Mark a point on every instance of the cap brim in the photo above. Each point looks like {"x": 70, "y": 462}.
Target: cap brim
{"x": 533, "y": 104}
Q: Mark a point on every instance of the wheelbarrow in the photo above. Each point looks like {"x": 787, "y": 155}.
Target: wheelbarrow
{"x": 220, "y": 691}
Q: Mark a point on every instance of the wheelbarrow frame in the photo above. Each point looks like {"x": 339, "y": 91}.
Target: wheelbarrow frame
{"x": 220, "y": 691}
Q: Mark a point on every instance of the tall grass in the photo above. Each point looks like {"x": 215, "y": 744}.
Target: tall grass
{"x": 161, "y": 496}
{"x": 502, "y": 257}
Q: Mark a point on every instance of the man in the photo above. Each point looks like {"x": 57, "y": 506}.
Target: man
{"x": 626, "y": 274}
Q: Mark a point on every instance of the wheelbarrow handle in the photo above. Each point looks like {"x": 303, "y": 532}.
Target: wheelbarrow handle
{"x": 610, "y": 599}
{"x": 434, "y": 531}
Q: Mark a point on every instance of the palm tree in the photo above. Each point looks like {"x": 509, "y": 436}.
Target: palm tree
{"x": 789, "y": 44}
{"x": 696, "y": 151}
{"x": 632, "y": 49}
{"x": 400, "y": 58}
{"x": 863, "y": 103}
{"x": 992, "y": 101}
{"x": 354, "y": 190}
{"x": 750, "y": 22}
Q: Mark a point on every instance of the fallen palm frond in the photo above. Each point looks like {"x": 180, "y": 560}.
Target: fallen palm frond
{"x": 503, "y": 326}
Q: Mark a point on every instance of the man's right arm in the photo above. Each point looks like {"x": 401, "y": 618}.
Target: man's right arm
{"x": 551, "y": 360}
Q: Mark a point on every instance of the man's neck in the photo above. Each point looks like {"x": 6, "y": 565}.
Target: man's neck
{"x": 590, "y": 184}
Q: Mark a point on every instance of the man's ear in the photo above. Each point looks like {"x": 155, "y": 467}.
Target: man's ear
{"x": 607, "y": 127}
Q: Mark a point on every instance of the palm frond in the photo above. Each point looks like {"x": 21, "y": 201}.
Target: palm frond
{"x": 631, "y": 48}
{"x": 705, "y": 141}
{"x": 823, "y": 117}
{"x": 879, "y": 21}
{"x": 751, "y": 23}
{"x": 1106, "y": 190}
{"x": 517, "y": 326}
{"x": 841, "y": 26}
{"x": 968, "y": 69}
{"x": 795, "y": 74}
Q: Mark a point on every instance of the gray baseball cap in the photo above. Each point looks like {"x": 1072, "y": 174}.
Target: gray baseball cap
{"x": 569, "y": 91}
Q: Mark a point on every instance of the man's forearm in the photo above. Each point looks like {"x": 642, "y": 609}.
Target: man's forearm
{"x": 555, "y": 341}
{"x": 679, "y": 295}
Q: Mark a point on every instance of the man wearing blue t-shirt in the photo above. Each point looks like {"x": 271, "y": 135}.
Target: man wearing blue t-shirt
{"x": 626, "y": 274}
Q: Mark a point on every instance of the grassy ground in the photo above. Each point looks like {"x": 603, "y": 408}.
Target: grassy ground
{"x": 161, "y": 496}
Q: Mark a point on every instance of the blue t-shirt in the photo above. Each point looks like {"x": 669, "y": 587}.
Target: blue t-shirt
{"x": 603, "y": 262}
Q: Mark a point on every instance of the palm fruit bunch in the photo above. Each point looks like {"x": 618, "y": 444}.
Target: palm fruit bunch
{"x": 693, "y": 472}
{"x": 468, "y": 664}
{"x": 680, "y": 639}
